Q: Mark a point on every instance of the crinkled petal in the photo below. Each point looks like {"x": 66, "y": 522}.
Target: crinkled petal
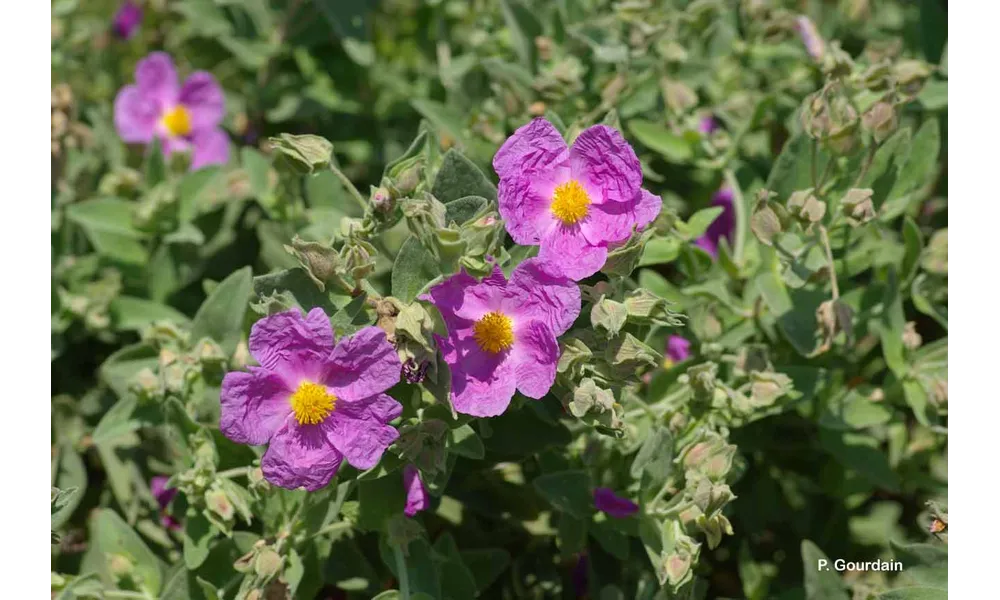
{"x": 359, "y": 430}
{"x": 534, "y": 146}
{"x": 295, "y": 346}
{"x": 254, "y": 405}
{"x": 156, "y": 78}
{"x": 524, "y": 200}
{"x": 202, "y": 96}
{"x": 416, "y": 494}
{"x": 613, "y": 222}
{"x": 537, "y": 291}
{"x": 483, "y": 297}
{"x": 448, "y": 296}
{"x": 211, "y": 147}
{"x": 567, "y": 251}
{"x": 136, "y": 116}
{"x": 362, "y": 365}
{"x": 300, "y": 456}
{"x": 535, "y": 355}
{"x": 482, "y": 385}
{"x": 607, "y": 501}
{"x": 603, "y": 160}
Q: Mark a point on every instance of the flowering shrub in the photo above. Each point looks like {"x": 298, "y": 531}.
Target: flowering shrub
{"x": 512, "y": 299}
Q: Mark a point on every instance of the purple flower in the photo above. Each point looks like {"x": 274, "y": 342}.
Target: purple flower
{"x": 572, "y": 202}
{"x": 163, "y": 496}
{"x": 416, "y": 493}
{"x": 127, "y": 20}
{"x": 184, "y": 118}
{"x": 724, "y": 226}
{"x": 614, "y": 505}
{"x": 502, "y": 334}
{"x": 707, "y": 125}
{"x": 810, "y": 37}
{"x": 678, "y": 348}
{"x": 314, "y": 402}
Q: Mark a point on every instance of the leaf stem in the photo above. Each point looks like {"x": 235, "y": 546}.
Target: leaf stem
{"x": 825, "y": 237}
{"x": 401, "y": 574}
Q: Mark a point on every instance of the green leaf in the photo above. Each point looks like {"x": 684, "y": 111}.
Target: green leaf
{"x": 221, "y": 315}
{"x": 568, "y": 491}
{"x": 522, "y": 432}
{"x": 156, "y": 164}
{"x": 135, "y": 314}
{"x": 72, "y": 474}
{"x": 524, "y": 27}
{"x": 462, "y": 210}
{"x": 923, "y": 564}
{"x": 258, "y": 170}
{"x": 923, "y": 303}
{"x": 699, "y": 221}
{"x": 112, "y": 535}
{"x": 793, "y": 168}
{"x": 119, "y": 368}
{"x": 464, "y": 441}
{"x": 116, "y": 423}
{"x": 914, "y": 242}
{"x": 891, "y": 325}
{"x": 198, "y": 536}
{"x": 379, "y": 500}
{"x": 797, "y": 321}
{"x": 658, "y": 138}
{"x": 414, "y": 268}
{"x": 659, "y": 251}
{"x": 486, "y": 565}
{"x": 933, "y": 29}
{"x": 459, "y": 177}
{"x": 915, "y": 593}
{"x": 821, "y": 581}
{"x": 916, "y": 173}
{"x": 110, "y": 215}
{"x": 860, "y": 453}
{"x": 655, "y": 456}
{"x": 854, "y": 411}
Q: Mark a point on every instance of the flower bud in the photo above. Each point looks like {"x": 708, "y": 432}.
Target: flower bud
{"x": 701, "y": 378}
{"x": 680, "y": 98}
{"x": 911, "y": 339}
{"x": 320, "y": 261}
{"x": 219, "y": 503}
{"x": 356, "y": 257}
{"x": 911, "y": 74}
{"x": 880, "y": 120}
{"x": 765, "y": 222}
{"x": 806, "y": 207}
{"x": 120, "y": 566}
{"x": 303, "y": 153}
{"x": 267, "y": 563}
{"x": 381, "y": 200}
{"x": 857, "y": 206}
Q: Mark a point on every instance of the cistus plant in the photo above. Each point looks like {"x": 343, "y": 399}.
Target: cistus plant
{"x": 508, "y": 299}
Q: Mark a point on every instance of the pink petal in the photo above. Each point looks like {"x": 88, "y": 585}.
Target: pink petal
{"x": 537, "y": 291}
{"x": 362, "y": 365}
{"x": 567, "y": 251}
{"x": 358, "y": 429}
{"x": 535, "y": 146}
{"x": 300, "y": 456}
{"x": 293, "y": 345}
{"x": 254, "y": 405}
{"x": 535, "y": 355}
{"x": 602, "y": 160}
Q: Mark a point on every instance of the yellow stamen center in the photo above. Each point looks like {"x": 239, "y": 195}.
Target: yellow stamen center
{"x": 177, "y": 121}
{"x": 312, "y": 403}
{"x": 570, "y": 202}
{"x": 494, "y": 332}
{"x": 668, "y": 364}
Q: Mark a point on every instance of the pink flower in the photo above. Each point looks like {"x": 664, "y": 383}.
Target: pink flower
{"x": 678, "y": 348}
{"x": 416, "y": 495}
{"x": 315, "y": 403}
{"x": 724, "y": 226}
{"x": 184, "y": 118}
{"x": 574, "y": 202}
{"x": 502, "y": 334}
{"x": 127, "y": 20}
{"x": 163, "y": 496}
{"x": 607, "y": 501}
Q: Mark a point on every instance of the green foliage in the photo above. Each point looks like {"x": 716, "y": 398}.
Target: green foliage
{"x": 809, "y": 410}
